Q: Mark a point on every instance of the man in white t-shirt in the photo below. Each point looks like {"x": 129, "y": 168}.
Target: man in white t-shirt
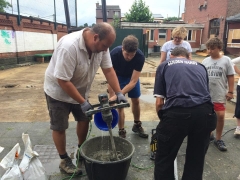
{"x": 68, "y": 79}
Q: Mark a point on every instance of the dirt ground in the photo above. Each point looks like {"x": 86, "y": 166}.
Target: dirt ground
{"x": 22, "y": 97}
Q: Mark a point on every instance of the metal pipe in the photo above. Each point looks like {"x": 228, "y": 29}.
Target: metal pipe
{"x": 104, "y": 11}
{"x": 67, "y": 14}
{"x": 18, "y": 19}
{"x": 55, "y": 20}
{"x": 76, "y": 12}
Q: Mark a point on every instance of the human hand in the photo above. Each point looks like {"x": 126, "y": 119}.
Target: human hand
{"x": 229, "y": 96}
{"x": 86, "y": 106}
{"x": 121, "y": 97}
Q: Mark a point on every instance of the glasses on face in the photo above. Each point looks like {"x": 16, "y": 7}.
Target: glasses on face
{"x": 179, "y": 38}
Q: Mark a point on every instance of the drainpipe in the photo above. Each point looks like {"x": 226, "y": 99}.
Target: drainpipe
{"x": 201, "y": 40}
{"x": 225, "y": 33}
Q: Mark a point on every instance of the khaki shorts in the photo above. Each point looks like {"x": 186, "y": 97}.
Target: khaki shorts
{"x": 59, "y": 113}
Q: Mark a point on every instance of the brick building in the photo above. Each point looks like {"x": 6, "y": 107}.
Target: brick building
{"x": 112, "y": 11}
{"x": 22, "y": 37}
{"x": 213, "y": 14}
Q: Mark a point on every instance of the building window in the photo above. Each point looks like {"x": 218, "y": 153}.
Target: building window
{"x": 162, "y": 33}
{"x": 151, "y": 37}
{"x": 107, "y": 13}
{"x": 116, "y": 13}
{"x": 150, "y": 34}
{"x": 214, "y": 28}
{"x": 191, "y": 36}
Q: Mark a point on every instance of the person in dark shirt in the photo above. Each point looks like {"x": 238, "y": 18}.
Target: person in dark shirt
{"x": 184, "y": 106}
{"x": 128, "y": 62}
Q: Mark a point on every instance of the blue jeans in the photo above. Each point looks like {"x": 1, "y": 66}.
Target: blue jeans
{"x": 176, "y": 123}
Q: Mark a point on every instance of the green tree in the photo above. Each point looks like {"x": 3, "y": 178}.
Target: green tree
{"x": 139, "y": 12}
{"x": 4, "y": 4}
{"x": 116, "y": 22}
{"x": 93, "y": 24}
{"x": 171, "y": 19}
{"x": 85, "y": 25}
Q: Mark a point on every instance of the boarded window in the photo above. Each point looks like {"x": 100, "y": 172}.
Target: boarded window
{"x": 233, "y": 38}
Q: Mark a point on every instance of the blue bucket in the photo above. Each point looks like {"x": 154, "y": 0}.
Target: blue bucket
{"x": 102, "y": 125}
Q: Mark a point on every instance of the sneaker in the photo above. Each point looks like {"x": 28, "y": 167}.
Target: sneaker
{"x": 137, "y": 128}
{"x": 68, "y": 167}
{"x": 220, "y": 145}
{"x": 212, "y": 138}
{"x": 122, "y": 133}
{"x": 237, "y": 132}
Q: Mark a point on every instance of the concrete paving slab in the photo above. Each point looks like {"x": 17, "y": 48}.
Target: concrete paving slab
{"x": 218, "y": 165}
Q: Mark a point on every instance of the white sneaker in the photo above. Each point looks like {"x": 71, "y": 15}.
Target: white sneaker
{"x": 237, "y": 131}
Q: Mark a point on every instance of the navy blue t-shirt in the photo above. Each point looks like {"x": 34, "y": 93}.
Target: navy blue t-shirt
{"x": 183, "y": 82}
{"x": 125, "y": 68}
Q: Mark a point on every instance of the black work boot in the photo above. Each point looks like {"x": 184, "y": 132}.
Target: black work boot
{"x": 137, "y": 128}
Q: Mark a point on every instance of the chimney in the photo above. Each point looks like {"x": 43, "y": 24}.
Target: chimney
{"x": 97, "y": 4}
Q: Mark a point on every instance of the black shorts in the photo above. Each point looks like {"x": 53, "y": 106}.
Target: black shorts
{"x": 59, "y": 113}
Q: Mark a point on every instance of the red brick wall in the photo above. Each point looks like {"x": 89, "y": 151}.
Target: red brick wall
{"x": 214, "y": 9}
{"x": 9, "y": 22}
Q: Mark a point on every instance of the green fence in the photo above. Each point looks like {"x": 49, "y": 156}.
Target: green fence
{"x": 122, "y": 33}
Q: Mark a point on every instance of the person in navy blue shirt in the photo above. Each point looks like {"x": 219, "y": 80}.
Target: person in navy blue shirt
{"x": 128, "y": 62}
{"x": 184, "y": 106}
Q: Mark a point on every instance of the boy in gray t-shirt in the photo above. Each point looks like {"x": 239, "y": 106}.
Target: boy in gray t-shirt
{"x": 221, "y": 84}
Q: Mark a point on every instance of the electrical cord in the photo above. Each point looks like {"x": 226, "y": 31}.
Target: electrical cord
{"x": 78, "y": 155}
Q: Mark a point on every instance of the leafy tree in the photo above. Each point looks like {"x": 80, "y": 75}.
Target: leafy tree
{"x": 93, "y": 24}
{"x": 171, "y": 19}
{"x": 4, "y": 4}
{"x": 85, "y": 25}
{"x": 139, "y": 12}
{"x": 116, "y": 22}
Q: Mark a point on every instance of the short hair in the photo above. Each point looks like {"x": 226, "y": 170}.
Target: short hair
{"x": 103, "y": 29}
{"x": 179, "y": 32}
{"x": 180, "y": 51}
{"x": 130, "y": 43}
{"x": 214, "y": 42}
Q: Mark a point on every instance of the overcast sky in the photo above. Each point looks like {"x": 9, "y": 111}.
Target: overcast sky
{"x": 87, "y": 8}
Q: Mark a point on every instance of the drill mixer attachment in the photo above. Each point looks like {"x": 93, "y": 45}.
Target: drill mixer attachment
{"x": 105, "y": 106}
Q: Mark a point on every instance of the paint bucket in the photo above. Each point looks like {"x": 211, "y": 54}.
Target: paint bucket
{"x": 107, "y": 170}
{"x": 102, "y": 125}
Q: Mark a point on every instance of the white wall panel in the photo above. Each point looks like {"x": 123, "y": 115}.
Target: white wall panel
{"x": 38, "y": 41}
{"x": 20, "y": 41}
{"x": 7, "y": 41}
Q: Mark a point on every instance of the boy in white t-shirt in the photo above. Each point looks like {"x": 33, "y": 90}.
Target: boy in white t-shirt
{"x": 236, "y": 62}
{"x": 221, "y": 84}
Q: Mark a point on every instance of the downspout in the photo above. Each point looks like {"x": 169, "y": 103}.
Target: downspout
{"x": 201, "y": 40}
{"x": 225, "y": 37}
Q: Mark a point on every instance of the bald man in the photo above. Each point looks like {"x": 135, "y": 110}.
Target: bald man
{"x": 68, "y": 79}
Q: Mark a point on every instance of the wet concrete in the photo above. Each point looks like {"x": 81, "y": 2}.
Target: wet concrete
{"x": 218, "y": 165}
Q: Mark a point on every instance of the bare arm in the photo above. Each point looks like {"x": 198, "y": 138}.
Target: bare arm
{"x": 132, "y": 83}
{"x": 71, "y": 90}
{"x": 159, "y": 103}
{"x": 230, "y": 87}
{"x": 112, "y": 79}
{"x": 236, "y": 69}
{"x": 128, "y": 87}
{"x": 163, "y": 56}
{"x": 190, "y": 56}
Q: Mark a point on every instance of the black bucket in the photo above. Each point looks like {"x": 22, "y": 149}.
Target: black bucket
{"x": 110, "y": 170}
